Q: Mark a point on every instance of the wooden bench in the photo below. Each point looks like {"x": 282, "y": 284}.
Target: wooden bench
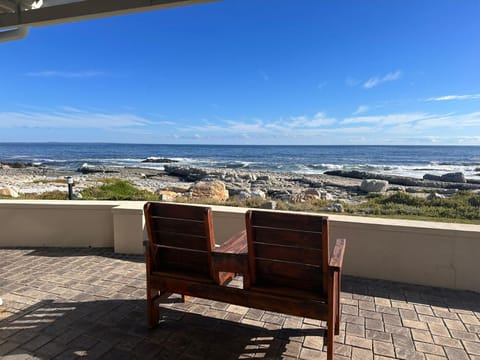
{"x": 284, "y": 259}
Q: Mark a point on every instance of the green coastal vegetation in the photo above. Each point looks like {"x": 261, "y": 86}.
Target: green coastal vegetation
{"x": 463, "y": 207}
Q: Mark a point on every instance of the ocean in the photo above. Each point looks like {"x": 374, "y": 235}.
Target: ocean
{"x": 414, "y": 161}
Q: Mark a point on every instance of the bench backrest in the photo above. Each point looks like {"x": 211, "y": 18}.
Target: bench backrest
{"x": 180, "y": 238}
{"x": 287, "y": 250}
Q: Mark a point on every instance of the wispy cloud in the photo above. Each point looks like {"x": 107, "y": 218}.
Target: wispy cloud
{"x": 321, "y": 85}
{"x": 377, "y": 80}
{"x": 455, "y": 97}
{"x": 386, "y": 120}
{"x": 361, "y": 109}
{"x": 320, "y": 128}
{"x": 66, "y": 74}
{"x": 70, "y": 118}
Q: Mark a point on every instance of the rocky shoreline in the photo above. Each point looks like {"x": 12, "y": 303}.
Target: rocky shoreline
{"x": 221, "y": 184}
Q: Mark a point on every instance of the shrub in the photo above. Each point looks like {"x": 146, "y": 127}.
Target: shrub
{"x": 117, "y": 190}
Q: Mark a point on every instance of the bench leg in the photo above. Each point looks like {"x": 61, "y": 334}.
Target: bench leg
{"x": 153, "y": 311}
{"x": 337, "y": 318}
{"x": 332, "y": 313}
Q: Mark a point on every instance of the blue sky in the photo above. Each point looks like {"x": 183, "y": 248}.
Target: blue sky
{"x": 251, "y": 72}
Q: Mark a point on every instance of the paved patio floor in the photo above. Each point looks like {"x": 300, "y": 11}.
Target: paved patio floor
{"x": 69, "y": 303}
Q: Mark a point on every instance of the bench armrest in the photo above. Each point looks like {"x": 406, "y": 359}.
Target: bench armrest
{"x": 336, "y": 261}
{"x": 232, "y": 255}
{"x": 237, "y": 244}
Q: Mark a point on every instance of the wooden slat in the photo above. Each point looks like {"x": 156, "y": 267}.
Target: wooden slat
{"x": 260, "y": 300}
{"x": 178, "y": 211}
{"x": 288, "y": 253}
{"x": 293, "y": 275}
{"x": 178, "y": 226}
{"x": 288, "y": 221}
{"x": 182, "y": 260}
{"x": 179, "y": 240}
{"x": 291, "y": 237}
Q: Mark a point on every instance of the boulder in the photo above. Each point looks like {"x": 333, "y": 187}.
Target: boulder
{"x": 90, "y": 169}
{"x": 279, "y": 194}
{"x": 311, "y": 194}
{"x": 337, "y": 207}
{"x": 243, "y": 195}
{"x": 374, "y": 186}
{"x": 434, "y": 196}
{"x": 457, "y": 177}
{"x": 77, "y": 196}
{"x": 165, "y": 195}
{"x": 185, "y": 172}
{"x": 258, "y": 194}
{"x": 324, "y": 195}
{"x": 9, "y": 191}
{"x": 214, "y": 190}
{"x": 270, "y": 205}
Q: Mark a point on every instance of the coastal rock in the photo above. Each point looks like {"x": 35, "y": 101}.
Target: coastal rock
{"x": 457, "y": 177}
{"x": 311, "y": 194}
{"x": 214, "y": 190}
{"x": 165, "y": 195}
{"x": 9, "y": 191}
{"x": 270, "y": 205}
{"x": 279, "y": 194}
{"x": 435, "y": 196}
{"x": 77, "y": 196}
{"x": 90, "y": 169}
{"x": 258, "y": 194}
{"x": 396, "y": 188}
{"x": 243, "y": 195}
{"x": 16, "y": 165}
{"x": 374, "y": 186}
{"x": 337, "y": 207}
{"x": 159, "y": 160}
{"x": 255, "y": 194}
{"x": 185, "y": 172}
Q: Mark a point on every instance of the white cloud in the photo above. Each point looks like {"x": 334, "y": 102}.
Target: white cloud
{"x": 376, "y": 80}
{"x": 66, "y": 74}
{"x": 361, "y": 109}
{"x": 455, "y": 97}
{"x": 384, "y": 120}
{"x": 70, "y": 118}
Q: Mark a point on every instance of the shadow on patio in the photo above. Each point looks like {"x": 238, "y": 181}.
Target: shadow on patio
{"x": 68, "y": 303}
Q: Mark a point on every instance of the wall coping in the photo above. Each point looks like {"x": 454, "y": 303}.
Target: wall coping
{"x": 135, "y": 206}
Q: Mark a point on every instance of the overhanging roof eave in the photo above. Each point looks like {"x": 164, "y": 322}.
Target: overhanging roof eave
{"x": 87, "y": 9}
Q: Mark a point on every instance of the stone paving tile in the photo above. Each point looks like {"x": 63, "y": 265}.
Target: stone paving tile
{"x": 70, "y": 303}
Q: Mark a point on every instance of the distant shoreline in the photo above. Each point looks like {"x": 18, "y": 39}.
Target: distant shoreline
{"x": 339, "y": 188}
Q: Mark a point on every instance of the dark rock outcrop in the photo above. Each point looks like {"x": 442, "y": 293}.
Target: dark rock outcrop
{"x": 17, "y": 164}
{"x": 159, "y": 160}
{"x": 405, "y": 181}
{"x": 457, "y": 177}
{"x": 186, "y": 173}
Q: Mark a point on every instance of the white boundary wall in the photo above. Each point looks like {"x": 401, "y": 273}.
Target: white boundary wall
{"x": 418, "y": 252}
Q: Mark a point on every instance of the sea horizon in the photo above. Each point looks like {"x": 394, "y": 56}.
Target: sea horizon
{"x": 404, "y": 160}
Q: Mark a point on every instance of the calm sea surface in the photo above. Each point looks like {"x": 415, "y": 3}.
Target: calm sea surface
{"x": 400, "y": 160}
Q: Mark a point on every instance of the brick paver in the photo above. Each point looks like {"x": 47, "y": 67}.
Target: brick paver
{"x": 70, "y": 303}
